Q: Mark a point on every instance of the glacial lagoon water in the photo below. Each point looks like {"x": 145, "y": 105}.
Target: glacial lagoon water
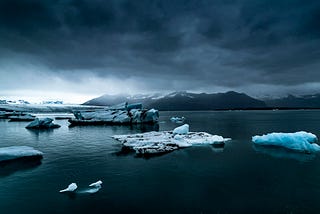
{"x": 239, "y": 178}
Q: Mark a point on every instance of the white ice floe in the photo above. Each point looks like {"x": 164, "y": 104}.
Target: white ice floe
{"x": 45, "y": 123}
{"x": 177, "y": 119}
{"x": 16, "y": 152}
{"x": 184, "y": 129}
{"x": 299, "y": 141}
{"x": 72, "y": 187}
{"x": 167, "y": 141}
{"x": 96, "y": 184}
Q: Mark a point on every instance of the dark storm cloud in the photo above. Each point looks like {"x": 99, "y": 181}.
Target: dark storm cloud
{"x": 189, "y": 45}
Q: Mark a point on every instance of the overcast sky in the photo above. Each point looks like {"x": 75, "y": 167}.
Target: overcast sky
{"x": 78, "y": 49}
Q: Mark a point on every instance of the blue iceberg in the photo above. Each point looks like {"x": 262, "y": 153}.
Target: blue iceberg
{"x": 299, "y": 141}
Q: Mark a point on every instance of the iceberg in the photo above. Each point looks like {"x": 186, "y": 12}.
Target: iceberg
{"x": 7, "y": 114}
{"x": 299, "y": 141}
{"x": 71, "y": 188}
{"x": 153, "y": 143}
{"x": 18, "y": 152}
{"x": 22, "y": 117}
{"x": 114, "y": 117}
{"x": 45, "y": 123}
{"x": 177, "y": 119}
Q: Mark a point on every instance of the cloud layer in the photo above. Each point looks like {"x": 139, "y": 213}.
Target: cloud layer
{"x": 259, "y": 47}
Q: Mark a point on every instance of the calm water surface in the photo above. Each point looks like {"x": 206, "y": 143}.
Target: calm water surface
{"x": 238, "y": 178}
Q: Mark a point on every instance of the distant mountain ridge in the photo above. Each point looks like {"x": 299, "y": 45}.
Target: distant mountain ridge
{"x": 185, "y": 101}
{"x": 291, "y": 101}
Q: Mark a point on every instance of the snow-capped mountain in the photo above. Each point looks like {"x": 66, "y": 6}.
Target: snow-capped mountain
{"x": 184, "y": 101}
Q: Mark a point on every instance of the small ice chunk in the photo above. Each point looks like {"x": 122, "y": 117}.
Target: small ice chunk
{"x": 98, "y": 183}
{"x": 184, "y": 129}
{"x": 177, "y": 119}
{"x": 93, "y": 188}
{"x": 72, "y": 187}
{"x": 299, "y": 141}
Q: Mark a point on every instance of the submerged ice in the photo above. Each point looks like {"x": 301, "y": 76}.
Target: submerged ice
{"x": 167, "y": 141}
{"x": 93, "y": 188}
{"x": 299, "y": 141}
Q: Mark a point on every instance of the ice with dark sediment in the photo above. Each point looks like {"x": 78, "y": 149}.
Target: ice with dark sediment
{"x": 129, "y": 115}
{"x": 298, "y": 141}
{"x": 166, "y": 141}
{"x": 45, "y": 123}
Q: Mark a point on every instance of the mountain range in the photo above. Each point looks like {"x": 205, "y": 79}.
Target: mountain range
{"x": 203, "y": 101}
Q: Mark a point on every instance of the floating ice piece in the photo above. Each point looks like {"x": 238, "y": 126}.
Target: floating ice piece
{"x": 163, "y": 142}
{"x": 45, "y": 123}
{"x": 299, "y": 141}
{"x": 177, "y": 119}
{"x": 22, "y": 117}
{"x": 16, "y": 152}
{"x": 72, "y": 187}
{"x": 101, "y": 117}
{"x": 98, "y": 183}
{"x": 93, "y": 188}
{"x": 184, "y": 129}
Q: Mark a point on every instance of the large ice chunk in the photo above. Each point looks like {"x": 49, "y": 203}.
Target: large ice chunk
{"x": 162, "y": 142}
{"x": 17, "y": 152}
{"x": 45, "y": 123}
{"x": 132, "y": 116}
{"x": 299, "y": 141}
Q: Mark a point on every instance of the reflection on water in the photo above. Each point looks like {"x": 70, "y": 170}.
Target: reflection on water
{"x": 136, "y": 127}
{"x": 23, "y": 164}
{"x": 279, "y": 152}
{"x": 38, "y": 132}
{"x": 217, "y": 147}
